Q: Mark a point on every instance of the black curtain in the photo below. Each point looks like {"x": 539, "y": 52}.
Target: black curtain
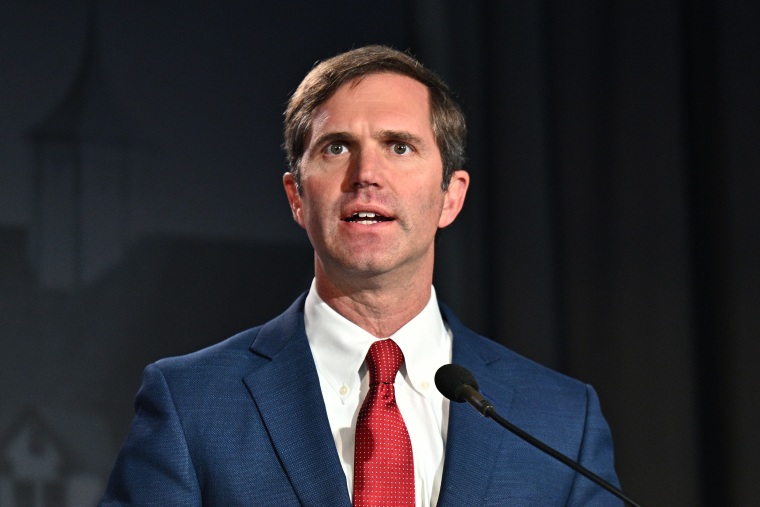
{"x": 612, "y": 231}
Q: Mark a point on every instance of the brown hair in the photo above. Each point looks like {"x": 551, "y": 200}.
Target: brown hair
{"x": 325, "y": 78}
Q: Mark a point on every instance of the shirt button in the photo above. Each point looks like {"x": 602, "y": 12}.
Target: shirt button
{"x": 343, "y": 390}
{"x": 425, "y": 385}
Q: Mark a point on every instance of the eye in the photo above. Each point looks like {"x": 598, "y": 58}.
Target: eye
{"x": 336, "y": 149}
{"x": 401, "y": 148}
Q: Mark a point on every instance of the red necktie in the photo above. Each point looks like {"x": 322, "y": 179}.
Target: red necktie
{"x": 383, "y": 464}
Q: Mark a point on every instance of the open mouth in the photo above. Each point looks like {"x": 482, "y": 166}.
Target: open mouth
{"x": 367, "y": 218}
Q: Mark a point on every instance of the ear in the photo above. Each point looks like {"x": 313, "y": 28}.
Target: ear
{"x": 294, "y": 198}
{"x": 454, "y": 197}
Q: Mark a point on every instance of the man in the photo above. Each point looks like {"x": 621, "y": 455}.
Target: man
{"x": 280, "y": 414}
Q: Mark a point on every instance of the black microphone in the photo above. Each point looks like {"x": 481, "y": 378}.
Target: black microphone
{"x": 456, "y": 383}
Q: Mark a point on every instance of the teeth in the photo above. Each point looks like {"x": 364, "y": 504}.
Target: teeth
{"x": 366, "y": 218}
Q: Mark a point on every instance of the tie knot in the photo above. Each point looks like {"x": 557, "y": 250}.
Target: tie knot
{"x": 383, "y": 361}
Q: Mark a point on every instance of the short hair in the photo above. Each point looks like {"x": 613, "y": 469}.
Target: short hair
{"x": 446, "y": 116}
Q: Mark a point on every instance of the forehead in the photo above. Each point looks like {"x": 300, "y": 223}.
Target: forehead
{"x": 380, "y": 98}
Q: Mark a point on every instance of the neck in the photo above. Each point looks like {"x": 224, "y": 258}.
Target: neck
{"x": 376, "y": 304}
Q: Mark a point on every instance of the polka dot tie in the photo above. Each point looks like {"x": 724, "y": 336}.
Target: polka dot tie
{"x": 383, "y": 464}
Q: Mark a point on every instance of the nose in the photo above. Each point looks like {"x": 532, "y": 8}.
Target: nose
{"x": 366, "y": 169}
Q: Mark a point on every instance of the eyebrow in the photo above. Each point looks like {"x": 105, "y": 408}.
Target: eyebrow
{"x": 333, "y": 136}
{"x": 403, "y": 136}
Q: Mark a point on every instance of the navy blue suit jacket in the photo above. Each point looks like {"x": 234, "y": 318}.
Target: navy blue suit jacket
{"x": 243, "y": 423}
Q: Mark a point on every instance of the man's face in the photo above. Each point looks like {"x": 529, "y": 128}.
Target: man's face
{"x": 371, "y": 199}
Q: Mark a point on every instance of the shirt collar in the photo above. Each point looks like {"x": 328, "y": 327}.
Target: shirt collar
{"x": 339, "y": 346}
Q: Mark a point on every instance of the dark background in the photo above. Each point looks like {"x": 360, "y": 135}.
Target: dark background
{"x": 611, "y": 230}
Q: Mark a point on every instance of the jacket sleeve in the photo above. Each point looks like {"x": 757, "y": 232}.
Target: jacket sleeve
{"x": 154, "y": 466}
{"x": 596, "y": 454}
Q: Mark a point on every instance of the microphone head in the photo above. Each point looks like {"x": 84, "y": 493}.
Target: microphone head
{"x": 450, "y": 378}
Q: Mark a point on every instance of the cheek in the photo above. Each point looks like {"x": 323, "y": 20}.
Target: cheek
{"x": 433, "y": 204}
{"x": 316, "y": 213}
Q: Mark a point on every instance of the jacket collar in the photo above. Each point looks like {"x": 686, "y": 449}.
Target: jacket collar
{"x": 293, "y": 411}
{"x": 473, "y": 442}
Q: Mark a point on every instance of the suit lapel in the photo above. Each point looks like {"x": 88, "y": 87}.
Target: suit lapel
{"x": 287, "y": 394}
{"x": 473, "y": 441}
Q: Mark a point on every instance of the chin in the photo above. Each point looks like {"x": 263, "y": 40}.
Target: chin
{"x": 367, "y": 268}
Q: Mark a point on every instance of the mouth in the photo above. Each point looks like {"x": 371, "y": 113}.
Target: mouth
{"x": 367, "y": 218}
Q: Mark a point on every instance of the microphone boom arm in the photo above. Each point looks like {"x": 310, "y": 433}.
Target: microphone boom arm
{"x": 474, "y": 398}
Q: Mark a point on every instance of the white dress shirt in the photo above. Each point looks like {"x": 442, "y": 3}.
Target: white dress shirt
{"x": 339, "y": 348}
